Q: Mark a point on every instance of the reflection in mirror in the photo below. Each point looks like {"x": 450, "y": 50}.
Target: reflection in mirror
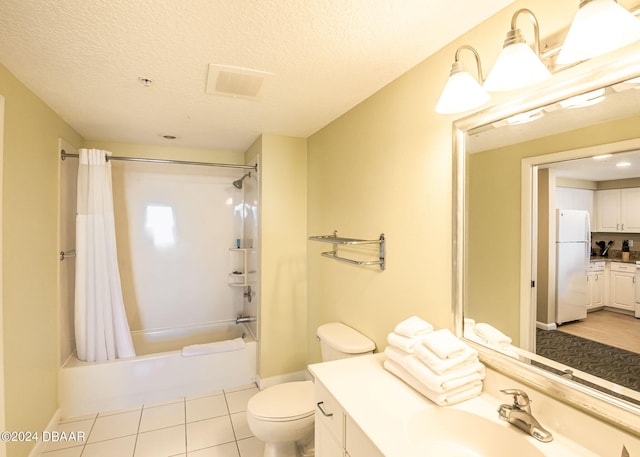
{"x": 564, "y": 307}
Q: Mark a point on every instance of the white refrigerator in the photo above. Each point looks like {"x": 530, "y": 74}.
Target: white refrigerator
{"x": 573, "y": 251}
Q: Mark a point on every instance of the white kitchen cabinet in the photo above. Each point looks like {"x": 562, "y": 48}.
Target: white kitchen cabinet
{"x": 336, "y": 434}
{"x": 596, "y": 281}
{"x": 623, "y": 286}
{"x": 573, "y": 198}
{"x": 608, "y": 207}
{"x": 630, "y": 209}
{"x": 618, "y": 210}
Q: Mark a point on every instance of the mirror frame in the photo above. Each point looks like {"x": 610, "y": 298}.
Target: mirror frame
{"x": 603, "y": 71}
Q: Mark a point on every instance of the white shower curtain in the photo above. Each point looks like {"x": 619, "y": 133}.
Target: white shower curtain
{"x": 101, "y": 327}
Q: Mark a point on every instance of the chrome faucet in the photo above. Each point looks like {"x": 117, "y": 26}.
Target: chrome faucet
{"x": 519, "y": 414}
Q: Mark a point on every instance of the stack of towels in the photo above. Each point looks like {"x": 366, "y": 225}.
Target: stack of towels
{"x": 434, "y": 362}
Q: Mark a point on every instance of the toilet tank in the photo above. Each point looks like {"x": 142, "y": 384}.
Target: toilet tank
{"x": 339, "y": 341}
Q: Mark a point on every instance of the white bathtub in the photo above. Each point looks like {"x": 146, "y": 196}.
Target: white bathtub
{"x": 159, "y": 372}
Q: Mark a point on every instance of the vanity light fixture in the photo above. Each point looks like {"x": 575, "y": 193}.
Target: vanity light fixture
{"x": 518, "y": 65}
{"x": 462, "y": 92}
{"x": 598, "y": 27}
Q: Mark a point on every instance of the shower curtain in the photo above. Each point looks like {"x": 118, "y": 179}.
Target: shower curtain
{"x": 101, "y": 327}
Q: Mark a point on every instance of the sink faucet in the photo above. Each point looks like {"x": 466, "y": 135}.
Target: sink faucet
{"x": 519, "y": 414}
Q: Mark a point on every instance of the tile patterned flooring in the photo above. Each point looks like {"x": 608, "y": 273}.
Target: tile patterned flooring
{"x": 211, "y": 425}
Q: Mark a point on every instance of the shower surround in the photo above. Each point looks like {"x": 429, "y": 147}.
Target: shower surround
{"x": 175, "y": 227}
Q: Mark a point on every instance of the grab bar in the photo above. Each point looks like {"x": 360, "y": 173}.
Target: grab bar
{"x": 67, "y": 254}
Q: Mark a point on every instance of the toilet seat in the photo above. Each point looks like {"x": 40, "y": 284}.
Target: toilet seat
{"x": 285, "y": 402}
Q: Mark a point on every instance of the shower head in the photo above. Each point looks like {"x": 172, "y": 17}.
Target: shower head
{"x": 238, "y": 184}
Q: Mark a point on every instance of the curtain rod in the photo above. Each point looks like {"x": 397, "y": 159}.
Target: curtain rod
{"x": 64, "y": 155}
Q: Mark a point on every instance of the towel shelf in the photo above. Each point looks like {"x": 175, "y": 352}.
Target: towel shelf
{"x": 336, "y": 241}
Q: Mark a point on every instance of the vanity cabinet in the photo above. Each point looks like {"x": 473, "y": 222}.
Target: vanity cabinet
{"x": 329, "y": 424}
{"x": 618, "y": 210}
{"x": 337, "y": 434}
{"x": 623, "y": 286}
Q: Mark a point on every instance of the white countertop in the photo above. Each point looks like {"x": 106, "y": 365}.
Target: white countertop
{"x": 383, "y": 407}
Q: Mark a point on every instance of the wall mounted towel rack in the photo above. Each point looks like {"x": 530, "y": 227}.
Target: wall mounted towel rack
{"x": 337, "y": 240}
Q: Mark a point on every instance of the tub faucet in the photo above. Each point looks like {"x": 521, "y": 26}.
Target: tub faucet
{"x": 519, "y": 414}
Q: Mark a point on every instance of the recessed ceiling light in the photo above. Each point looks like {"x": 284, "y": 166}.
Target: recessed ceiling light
{"x": 580, "y": 101}
{"x": 146, "y": 82}
{"x": 523, "y": 118}
{"x": 601, "y": 157}
{"x": 623, "y": 164}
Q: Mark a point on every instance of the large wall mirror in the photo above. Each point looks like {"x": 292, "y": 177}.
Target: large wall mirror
{"x": 531, "y": 175}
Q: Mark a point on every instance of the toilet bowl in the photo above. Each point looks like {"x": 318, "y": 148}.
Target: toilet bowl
{"x": 282, "y": 416}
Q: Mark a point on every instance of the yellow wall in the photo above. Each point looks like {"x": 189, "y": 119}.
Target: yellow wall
{"x": 283, "y": 227}
{"x": 385, "y": 166}
{"x": 30, "y": 263}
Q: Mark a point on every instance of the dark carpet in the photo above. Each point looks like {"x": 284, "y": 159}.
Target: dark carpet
{"x": 606, "y": 362}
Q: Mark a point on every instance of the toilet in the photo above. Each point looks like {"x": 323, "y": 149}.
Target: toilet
{"x": 283, "y": 415}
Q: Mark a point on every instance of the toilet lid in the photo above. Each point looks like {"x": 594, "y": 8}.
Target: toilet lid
{"x": 283, "y": 402}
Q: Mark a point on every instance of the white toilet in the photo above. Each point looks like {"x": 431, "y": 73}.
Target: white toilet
{"x": 283, "y": 415}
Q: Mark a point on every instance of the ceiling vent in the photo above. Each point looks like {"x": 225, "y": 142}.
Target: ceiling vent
{"x": 236, "y": 81}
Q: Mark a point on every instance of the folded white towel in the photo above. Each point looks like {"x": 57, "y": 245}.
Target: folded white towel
{"x": 435, "y": 382}
{"x": 444, "y": 343}
{"x": 211, "y": 348}
{"x": 413, "y": 326}
{"x": 402, "y": 342}
{"x": 491, "y": 335}
{"x": 443, "y": 366}
{"x": 448, "y": 382}
{"x": 451, "y": 397}
{"x": 397, "y": 355}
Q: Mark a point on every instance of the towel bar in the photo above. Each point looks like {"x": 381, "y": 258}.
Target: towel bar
{"x": 336, "y": 240}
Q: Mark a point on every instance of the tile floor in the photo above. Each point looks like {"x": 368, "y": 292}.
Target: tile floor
{"x": 212, "y": 425}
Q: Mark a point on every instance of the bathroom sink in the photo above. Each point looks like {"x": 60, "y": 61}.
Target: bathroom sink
{"x": 447, "y": 432}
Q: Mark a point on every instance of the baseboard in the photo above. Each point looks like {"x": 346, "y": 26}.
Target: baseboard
{"x": 263, "y": 383}
{"x": 545, "y": 326}
{"x": 40, "y": 444}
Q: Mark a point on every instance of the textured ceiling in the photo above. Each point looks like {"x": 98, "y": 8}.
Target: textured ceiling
{"x": 84, "y": 57}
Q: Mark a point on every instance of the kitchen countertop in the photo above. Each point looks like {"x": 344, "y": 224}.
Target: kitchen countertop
{"x": 597, "y": 258}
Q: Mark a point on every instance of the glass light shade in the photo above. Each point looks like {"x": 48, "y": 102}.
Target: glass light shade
{"x": 517, "y": 66}
{"x": 461, "y": 93}
{"x": 599, "y": 26}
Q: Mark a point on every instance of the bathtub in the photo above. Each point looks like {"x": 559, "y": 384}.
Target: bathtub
{"x": 159, "y": 372}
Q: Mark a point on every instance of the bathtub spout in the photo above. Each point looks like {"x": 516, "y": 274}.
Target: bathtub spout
{"x": 244, "y": 319}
